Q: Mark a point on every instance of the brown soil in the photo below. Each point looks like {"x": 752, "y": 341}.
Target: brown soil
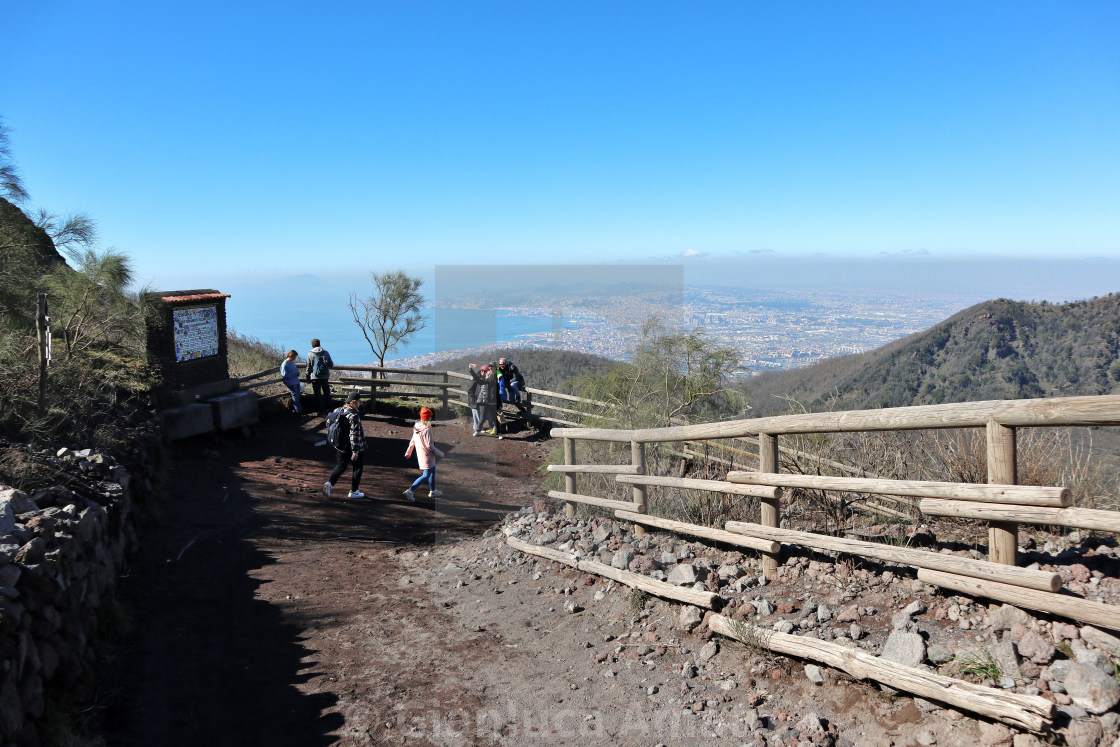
{"x": 266, "y": 613}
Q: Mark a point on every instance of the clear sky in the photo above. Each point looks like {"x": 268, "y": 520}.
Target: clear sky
{"x": 277, "y": 138}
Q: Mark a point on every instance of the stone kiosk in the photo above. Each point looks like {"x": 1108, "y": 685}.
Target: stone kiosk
{"x": 186, "y": 333}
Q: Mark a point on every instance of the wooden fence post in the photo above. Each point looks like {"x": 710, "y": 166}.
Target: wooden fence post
{"x": 638, "y": 459}
{"x": 569, "y": 477}
{"x": 446, "y": 390}
{"x": 771, "y": 507}
{"x": 1003, "y": 536}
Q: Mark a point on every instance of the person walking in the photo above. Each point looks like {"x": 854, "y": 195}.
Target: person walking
{"x": 318, "y": 374}
{"x": 289, "y": 373}
{"x": 352, "y": 442}
{"x": 426, "y": 455}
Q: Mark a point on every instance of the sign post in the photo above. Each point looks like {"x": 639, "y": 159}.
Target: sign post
{"x": 43, "y": 333}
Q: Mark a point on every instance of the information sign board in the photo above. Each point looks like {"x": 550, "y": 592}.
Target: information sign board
{"x": 196, "y": 332}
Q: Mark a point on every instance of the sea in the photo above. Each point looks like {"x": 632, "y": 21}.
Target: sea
{"x": 290, "y": 318}
{"x": 289, "y": 311}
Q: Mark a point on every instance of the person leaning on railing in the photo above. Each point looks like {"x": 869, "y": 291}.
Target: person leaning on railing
{"x": 289, "y": 373}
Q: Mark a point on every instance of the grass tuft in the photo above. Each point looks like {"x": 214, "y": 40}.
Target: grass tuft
{"x": 980, "y": 664}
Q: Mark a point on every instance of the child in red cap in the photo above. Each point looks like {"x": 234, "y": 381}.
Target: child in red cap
{"x": 426, "y": 455}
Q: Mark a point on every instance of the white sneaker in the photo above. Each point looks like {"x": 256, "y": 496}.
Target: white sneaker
{"x": 356, "y": 494}
{"x": 477, "y": 433}
{"x": 327, "y": 489}
{"x": 408, "y": 494}
{"x": 435, "y": 493}
{"x": 500, "y": 437}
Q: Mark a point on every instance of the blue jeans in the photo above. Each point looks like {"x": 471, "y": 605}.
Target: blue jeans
{"x": 489, "y": 413}
{"x": 297, "y": 403}
{"x": 427, "y": 476}
{"x": 514, "y": 392}
{"x": 476, "y": 416}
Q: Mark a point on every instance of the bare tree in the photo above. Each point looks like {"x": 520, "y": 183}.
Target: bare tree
{"x": 390, "y": 315}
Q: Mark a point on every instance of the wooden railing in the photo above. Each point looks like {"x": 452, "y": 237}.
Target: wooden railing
{"x": 1001, "y": 503}
{"x": 445, "y": 386}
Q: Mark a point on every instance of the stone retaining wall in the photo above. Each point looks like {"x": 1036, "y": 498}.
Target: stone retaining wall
{"x": 62, "y": 549}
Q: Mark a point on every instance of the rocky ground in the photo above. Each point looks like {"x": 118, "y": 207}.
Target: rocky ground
{"x": 266, "y": 613}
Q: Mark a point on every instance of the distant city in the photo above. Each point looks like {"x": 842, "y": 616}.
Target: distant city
{"x": 771, "y": 330}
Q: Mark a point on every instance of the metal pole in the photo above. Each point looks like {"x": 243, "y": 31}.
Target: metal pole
{"x": 42, "y": 330}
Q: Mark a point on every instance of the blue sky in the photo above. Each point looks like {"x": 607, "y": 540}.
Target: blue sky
{"x": 262, "y": 139}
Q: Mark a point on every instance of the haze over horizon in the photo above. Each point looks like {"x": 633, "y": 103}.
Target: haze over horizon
{"x": 872, "y": 142}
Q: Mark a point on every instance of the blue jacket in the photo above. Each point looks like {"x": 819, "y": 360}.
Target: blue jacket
{"x": 289, "y": 372}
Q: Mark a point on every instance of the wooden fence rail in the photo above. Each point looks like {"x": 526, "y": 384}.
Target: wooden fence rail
{"x": 1061, "y": 411}
{"x": 449, "y": 392}
{"x": 1025, "y": 495}
{"x": 1002, "y": 502}
{"x": 1030, "y": 712}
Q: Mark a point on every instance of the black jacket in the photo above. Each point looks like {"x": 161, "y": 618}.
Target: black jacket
{"x": 352, "y": 422}
{"x": 485, "y": 389}
{"x": 512, "y": 375}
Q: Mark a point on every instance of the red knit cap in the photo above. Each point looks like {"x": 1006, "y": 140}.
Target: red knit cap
{"x": 425, "y": 413}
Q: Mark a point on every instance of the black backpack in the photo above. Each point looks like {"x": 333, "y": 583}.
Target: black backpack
{"x": 337, "y": 436}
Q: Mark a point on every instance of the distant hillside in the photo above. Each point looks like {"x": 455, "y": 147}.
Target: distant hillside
{"x": 16, "y": 229}
{"x": 542, "y": 368}
{"x": 995, "y": 350}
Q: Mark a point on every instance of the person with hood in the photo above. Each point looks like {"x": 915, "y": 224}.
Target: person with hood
{"x": 318, "y": 375}
{"x": 289, "y": 373}
{"x": 352, "y": 442}
{"x": 426, "y": 455}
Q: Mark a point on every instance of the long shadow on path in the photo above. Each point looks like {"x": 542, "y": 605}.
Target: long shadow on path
{"x": 218, "y": 655}
{"x": 209, "y": 662}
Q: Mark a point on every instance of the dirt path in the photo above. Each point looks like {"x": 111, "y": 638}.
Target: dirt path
{"x": 268, "y": 614}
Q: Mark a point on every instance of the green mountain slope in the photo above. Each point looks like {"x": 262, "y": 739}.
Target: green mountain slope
{"x": 995, "y": 350}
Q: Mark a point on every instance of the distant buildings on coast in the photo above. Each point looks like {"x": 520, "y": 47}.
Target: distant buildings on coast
{"x": 770, "y": 330}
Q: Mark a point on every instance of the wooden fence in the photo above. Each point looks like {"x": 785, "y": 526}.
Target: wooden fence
{"x": 1002, "y": 503}
{"x": 445, "y": 386}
